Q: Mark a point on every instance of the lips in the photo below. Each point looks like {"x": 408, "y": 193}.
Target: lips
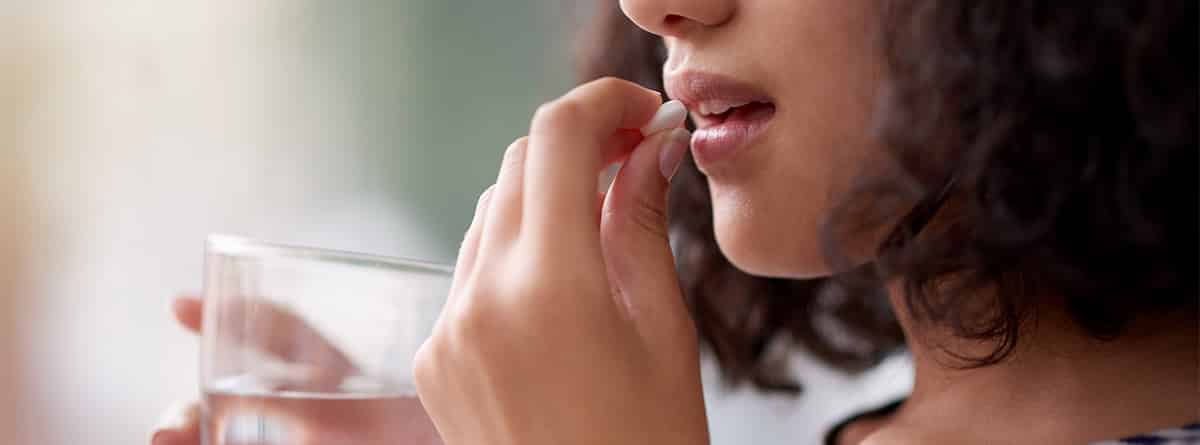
{"x": 729, "y": 114}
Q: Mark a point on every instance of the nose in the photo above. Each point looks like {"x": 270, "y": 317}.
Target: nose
{"x": 674, "y": 18}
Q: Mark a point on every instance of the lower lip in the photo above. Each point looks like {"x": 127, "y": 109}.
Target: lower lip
{"x": 721, "y": 141}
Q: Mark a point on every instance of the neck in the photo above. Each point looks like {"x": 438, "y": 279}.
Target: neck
{"x": 1058, "y": 385}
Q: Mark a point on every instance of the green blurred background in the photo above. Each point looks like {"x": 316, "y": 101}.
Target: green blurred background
{"x": 439, "y": 89}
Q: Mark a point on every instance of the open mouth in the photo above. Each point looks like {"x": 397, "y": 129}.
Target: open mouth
{"x": 716, "y": 112}
{"x": 730, "y": 114}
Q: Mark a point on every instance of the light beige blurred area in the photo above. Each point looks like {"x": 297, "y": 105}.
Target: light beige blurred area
{"x": 131, "y": 129}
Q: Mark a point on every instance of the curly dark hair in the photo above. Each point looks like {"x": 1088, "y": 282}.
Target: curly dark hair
{"x": 1044, "y": 151}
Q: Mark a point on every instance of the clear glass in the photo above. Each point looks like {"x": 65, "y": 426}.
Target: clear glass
{"x": 307, "y": 346}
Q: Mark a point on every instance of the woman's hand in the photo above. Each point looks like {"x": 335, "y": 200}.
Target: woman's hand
{"x": 180, "y": 424}
{"x": 558, "y": 329}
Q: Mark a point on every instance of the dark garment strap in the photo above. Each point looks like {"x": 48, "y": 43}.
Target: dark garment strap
{"x": 833, "y": 436}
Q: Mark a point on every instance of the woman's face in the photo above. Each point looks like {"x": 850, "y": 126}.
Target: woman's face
{"x": 801, "y": 76}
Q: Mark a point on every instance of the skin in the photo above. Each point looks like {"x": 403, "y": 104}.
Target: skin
{"x": 816, "y": 143}
{"x": 512, "y": 361}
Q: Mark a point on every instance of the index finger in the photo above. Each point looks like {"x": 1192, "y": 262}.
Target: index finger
{"x": 273, "y": 329}
{"x": 570, "y": 140}
{"x": 189, "y": 311}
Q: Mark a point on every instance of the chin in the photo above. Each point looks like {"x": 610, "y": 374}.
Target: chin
{"x": 764, "y": 251}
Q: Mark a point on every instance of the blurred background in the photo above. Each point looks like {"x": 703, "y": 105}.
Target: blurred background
{"x": 131, "y": 129}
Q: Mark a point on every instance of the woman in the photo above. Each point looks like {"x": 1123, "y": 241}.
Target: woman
{"x": 1016, "y": 179}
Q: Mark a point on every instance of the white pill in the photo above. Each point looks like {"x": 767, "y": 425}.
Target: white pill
{"x": 669, "y": 115}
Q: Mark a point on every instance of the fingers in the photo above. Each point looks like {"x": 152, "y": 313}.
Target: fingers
{"x": 570, "y": 141}
{"x": 179, "y": 425}
{"x": 280, "y": 332}
{"x": 670, "y": 115}
{"x": 634, "y": 233}
{"x": 621, "y": 144}
{"x": 272, "y": 329}
{"x": 189, "y": 311}
{"x": 504, "y": 219}
{"x": 469, "y": 249}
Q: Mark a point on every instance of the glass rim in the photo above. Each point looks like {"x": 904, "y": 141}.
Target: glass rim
{"x": 239, "y": 246}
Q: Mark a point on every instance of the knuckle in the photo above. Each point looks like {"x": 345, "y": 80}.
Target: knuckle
{"x": 484, "y": 197}
{"x": 644, "y": 216}
{"x": 479, "y": 337}
{"x": 473, "y": 323}
{"x": 525, "y": 285}
{"x": 430, "y": 365}
{"x": 497, "y": 290}
{"x": 540, "y": 281}
{"x": 558, "y": 113}
{"x": 529, "y": 269}
{"x": 425, "y": 363}
{"x": 610, "y": 83}
{"x": 514, "y": 155}
{"x": 615, "y": 86}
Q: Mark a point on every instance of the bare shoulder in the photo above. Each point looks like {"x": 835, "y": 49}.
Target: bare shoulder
{"x": 890, "y": 437}
{"x": 901, "y": 434}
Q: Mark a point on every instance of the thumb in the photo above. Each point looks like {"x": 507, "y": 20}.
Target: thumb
{"x": 179, "y": 425}
{"x": 633, "y": 230}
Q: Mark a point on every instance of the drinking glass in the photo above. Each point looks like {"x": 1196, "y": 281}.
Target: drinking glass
{"x": 306, "y": 346}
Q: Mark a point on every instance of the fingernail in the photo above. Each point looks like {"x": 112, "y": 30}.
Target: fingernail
{"x": 669, "y": 115}
{"x": 160, "y": 437}
{"x": 178, "y": 416}
{"x": 674, "y": 148}
{"x": 652, "y": 90}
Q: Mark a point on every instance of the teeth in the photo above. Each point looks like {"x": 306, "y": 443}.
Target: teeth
{"x": 715, "y": 107}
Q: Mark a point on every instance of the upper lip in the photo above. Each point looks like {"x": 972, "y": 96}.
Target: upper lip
{"x": 707, "y": 95}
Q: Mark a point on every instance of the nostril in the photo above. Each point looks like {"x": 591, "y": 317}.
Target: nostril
{"x": 672, "y": 20}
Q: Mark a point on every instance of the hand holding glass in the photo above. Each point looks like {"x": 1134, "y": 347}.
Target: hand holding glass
{"x": 305, "y": 346}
